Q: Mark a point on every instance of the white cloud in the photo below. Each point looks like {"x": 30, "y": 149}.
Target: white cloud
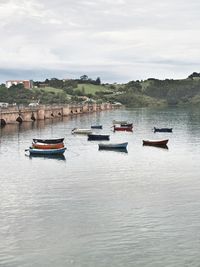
{"x": 128, "y": 39}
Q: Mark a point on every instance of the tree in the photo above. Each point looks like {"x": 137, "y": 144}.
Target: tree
{"x": 56, "y": 83}
{"x": 84, "y": 77}
{"x": 194, "y": 75}
{"x": 98, "y": 81}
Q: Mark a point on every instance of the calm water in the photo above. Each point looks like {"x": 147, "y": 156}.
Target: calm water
{"x": 102, "y": 208}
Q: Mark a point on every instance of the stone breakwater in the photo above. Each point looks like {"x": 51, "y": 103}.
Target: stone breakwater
{"x": 22, "y": 114}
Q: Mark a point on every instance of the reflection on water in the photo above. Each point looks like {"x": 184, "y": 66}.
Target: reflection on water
{"x": 122, "y": 150}
{"x": 26, "y": 126}
{"x": 157, "y": 146}
{"x": 102, "y": 208}
{"x": 56, "y": 157}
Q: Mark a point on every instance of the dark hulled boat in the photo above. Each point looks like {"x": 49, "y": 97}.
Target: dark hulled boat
{"x": 155, "y": 142}
{"x": 48, "y": 141}
{"x": 113, "y": 146}
{"x": 96, "y": 127}
{"x": 94, "y": 137}
{"x": 163, "y": 130}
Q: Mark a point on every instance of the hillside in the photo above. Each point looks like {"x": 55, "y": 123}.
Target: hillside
{"x": 151, "y": 92}
{"x": 161, "y": 92}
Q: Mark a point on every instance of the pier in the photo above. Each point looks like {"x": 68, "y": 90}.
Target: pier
{"x": 20, "y": 114}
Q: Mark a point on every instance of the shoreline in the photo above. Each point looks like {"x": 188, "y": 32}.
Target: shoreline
{"x": 18, "y": 115}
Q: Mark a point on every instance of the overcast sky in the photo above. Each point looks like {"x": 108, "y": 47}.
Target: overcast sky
{"x": 117, "y": 40}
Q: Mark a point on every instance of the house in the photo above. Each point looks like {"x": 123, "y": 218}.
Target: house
{"x": 28, "y": 84}
{"x": 3, "y": 105}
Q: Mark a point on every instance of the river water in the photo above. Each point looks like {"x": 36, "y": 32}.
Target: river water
{"x": 102, "y": 208}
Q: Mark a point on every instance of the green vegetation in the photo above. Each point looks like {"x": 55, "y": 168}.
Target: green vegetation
{"x": 151, "y": 92}
{"x": 48, "y": 90}
{"x": 92, "y": 88}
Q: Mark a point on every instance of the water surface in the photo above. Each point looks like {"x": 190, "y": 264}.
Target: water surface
{"x": 102, "y": 208}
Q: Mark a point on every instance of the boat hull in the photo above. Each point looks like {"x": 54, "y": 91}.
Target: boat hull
{"x": 96, "y": 127}
{"x": 163, "y": 130}
{"x": 126, "y": 125}
{"x": 123, "y": 128}
{"x": 48, "y": 141}
{"x": 46, "y": 151}
{"x": 47, "y": 146}
{"x": 155, "y": 142}
{"x": 81, "y": 131}
{"x": 93, "y": 137}
{"x": 113, "y": 146}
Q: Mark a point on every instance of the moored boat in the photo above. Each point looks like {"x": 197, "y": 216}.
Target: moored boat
{"x": 47, "y": 146}
{"x": 119, "y": 122}
{"x": 81, "y": 131}
{"x": 113, "y": 146}
{"x": 48, "y": 141}
{"x": 98, "y": 137}
{"x": 96, "y": 126}
{"x": 126, "y": 124}
{"x": 163, "y": 130}
{"x": 155, "y": 142}
{"x": 123, "y": 128}
{"x": 32, "y": 150}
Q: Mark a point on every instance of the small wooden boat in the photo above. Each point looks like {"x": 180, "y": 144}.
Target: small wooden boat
{"x": 119, "y": 122}
{"x": 98, "y": 137}
{"x": 126, "y": 124}
{"x": 32, "y": 150}
{"x": 155, "y": 142}
{"x": 81, "y": 131}
{"x": 113, "y": 146}
{"x": 47, "y": 146}
{"x": 123, "y": 128}
{"x": 96, "y": 126}
{"x": 163, "y": 130}
{"x": 48, "y": 141}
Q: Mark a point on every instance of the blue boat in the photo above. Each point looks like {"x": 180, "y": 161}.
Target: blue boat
{"x": 36, "y": 151}
{"x": 163, "y": 130}
{"x": 113, "y": 146}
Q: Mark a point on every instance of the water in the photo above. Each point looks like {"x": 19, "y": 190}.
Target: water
{"x": 102, "y": 208}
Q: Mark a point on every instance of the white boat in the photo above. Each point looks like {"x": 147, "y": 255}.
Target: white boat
{"x": 119, "y": 122}
{"x": 81, "y": 131}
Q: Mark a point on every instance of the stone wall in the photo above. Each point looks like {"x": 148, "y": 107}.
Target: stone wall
{"x": 21, "y": 114}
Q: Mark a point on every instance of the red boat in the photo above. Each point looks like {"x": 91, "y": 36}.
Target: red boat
{"x": 155, "y": 142}
{"x": 123, "y": 128}
{"x": 47, "y": 146}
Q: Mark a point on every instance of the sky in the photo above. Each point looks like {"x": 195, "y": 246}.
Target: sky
{"x": 116, "y": 40}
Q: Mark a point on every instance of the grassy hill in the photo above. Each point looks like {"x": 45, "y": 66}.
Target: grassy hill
{"x": 151, "y": 92}
{"x": 92, "y": 88}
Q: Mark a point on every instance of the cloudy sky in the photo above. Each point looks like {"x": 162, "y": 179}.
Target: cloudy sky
{"x": 117, "y": 40}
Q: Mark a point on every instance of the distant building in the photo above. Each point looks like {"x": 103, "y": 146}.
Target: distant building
{"x": 3, "y": 105}
{"x": 28, "y": 84}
